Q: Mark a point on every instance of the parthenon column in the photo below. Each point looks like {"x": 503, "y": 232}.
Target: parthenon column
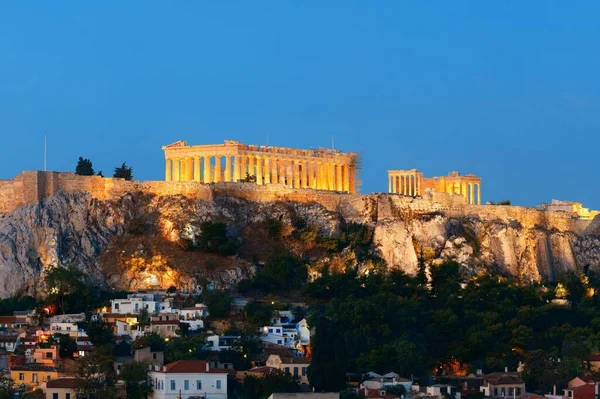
{"x": 296, "y": 173}
{"x": 282, "y": 171}
{"x": 236, "y": 168}
{"x": 478, "y": 193}
{"x": 227, "y": 168}
{"x": 197, "y": 169}
{"x": 217, "y": 177}
{"x": 390, "y": 185}
{"x": 346, "y": 172}
{"x": 267, "y": 170}
{"x": 190, "y": 169}
{"x": 310, "y": 174}
{"x": 251, "y": 166}
{"x": 274, "y": 171}
{"x": 304, "y": 175}
{"x": 183, "y": 170}
{"x": 168, "y": 176}
{"x": 259, "y": 175}
{"x": 471, "y": 193}
{"x": 206, "y": 169}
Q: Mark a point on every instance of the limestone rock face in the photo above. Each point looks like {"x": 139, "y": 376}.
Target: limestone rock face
{"x": 76, "y": 230}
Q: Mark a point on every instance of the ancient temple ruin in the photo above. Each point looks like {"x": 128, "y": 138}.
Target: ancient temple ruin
{"x": 320, "y": 169}
{"x": 412, "y": 183}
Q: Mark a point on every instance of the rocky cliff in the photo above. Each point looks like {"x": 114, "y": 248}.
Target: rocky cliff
{"x": 134, "y": 241}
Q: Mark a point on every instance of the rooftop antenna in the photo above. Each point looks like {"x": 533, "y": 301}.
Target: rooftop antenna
{"x": 45, "y": 149}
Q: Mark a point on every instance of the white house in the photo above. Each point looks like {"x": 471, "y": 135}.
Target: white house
{"x": 220, "y": 343}
{"x": 136, "y": 302}
{"x": 9, "y": 342}
{"x": 293, "y": 338}
{"x": 197, "y": 312}
{"x": 376, "y": 381}
{"x": 187, "y": 379}
{"x": 67, "y": 328}
{"x": 282, "y": 318}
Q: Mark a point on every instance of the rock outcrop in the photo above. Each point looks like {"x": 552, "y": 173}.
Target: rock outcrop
{"x": 74, "y": 229}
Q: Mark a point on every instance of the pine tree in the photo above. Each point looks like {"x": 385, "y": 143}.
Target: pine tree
{"x": 84, "y": 167}
{"x": 123, "y": 172}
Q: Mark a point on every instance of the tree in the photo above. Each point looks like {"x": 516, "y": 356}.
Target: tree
{"x": 281, "y": 273}
{"x": 143, "y": 318}
{"x": 214, "y": 239}
{"x": 66, "y": 346}
{"x": 262, "y": 388}
{"x": 218, "y": 302}
{"x": 258, "y": 313}
{"x": 154, "y": 341}
{"x": 327, "y": 370}
{"x": 99, "y": 332}
{"x": 138, "y": 384}
{"x": 84, "y": 167}
{"x": 95, "y": 376}
{"x": 123, "y": 172}
{"x": 65, "y": 286}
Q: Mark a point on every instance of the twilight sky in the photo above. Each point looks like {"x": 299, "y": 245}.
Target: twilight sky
{"x": 509, "y": 91}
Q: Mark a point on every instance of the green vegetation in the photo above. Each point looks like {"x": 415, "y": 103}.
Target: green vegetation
{"x": 214, "y": 239}
{"x": 258, "y": 313}
{"x": 84, "y": 167}
{"x": 138, "y": 384}
{"x": 123, "y": 172}
{"x": 281, "y": 273}
{"x": 9, "y": 305}
{"x": 95, "y": 376}
{"x": 402, "y": 323}
{"x": 262, "y": 388}
{"x": 219, "y": 302}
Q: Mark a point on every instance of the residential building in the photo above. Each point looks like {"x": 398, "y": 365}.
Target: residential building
{"x": 296, "y": 366}
{"x": 9, "y": 342}
{"x": 375, "y": 381}
{"x": 366, "y": 393}
{"x": 197, "y": 312}
{"x": 586, "y": 391}
{"x": 138, "y": 301}
{"x": 61, "y": 388}
{"x": 147, "y": 355}
{"x": 294, "y": 336}
{"x": 164, "y": 324}
{"x": 503, "y": 385}
{"x": 67, "y": 328}
{"x": 34, "y": 375}
{"x": 12, "y": 322}
{"x": 221, "y": 343}
{"x": 188, "y": 379}
{"x": 305, "y": 395}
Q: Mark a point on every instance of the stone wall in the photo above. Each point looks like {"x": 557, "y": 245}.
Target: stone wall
{"x": 32, "y": 186}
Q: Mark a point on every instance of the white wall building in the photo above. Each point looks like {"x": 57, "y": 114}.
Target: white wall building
{"x": 188, "y": 378}
{"x": 197, "y": 312}
{"x": 136, "y": 302}
{"x": 220, "y": 343}
{"x": 291, "y": 337}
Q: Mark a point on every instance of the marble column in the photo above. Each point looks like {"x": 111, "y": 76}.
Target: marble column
{"x": 274, "y": 171}
{"x": 227, "y": 168}
{"x": 338, "y": 180}
{"x": 197, "y": 169}
{"x": 296, "y": 173}
{"x": 471, "y": 194}
{"x": 478, "y": 193}
{"x": 245, "y": 170}
{"x": 282, "y": 171}
{"x": 267, "y": 170}
{"x": 251, "y": 167}
{"x": 206, "y": 169}
{"x": 176, "y": 173}
{"x": 218, "y": 176}
{"x": 168, "y": 172}
{"x": 190, "y": 169}
{"x": 310, "y": 174}
{"x": 236, "y": 168}
{"x": 259, "y": 172}
{"x": 304, "y": 174}
{"x": 347, "y": 178}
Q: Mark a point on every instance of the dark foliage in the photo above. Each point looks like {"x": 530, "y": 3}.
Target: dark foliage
{"x": 84, "y": 167}
{"x": 123, "y": 172}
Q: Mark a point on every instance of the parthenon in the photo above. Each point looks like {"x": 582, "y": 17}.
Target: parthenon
{"x": 320, "y": 169}
{"x": 412, "y": 183}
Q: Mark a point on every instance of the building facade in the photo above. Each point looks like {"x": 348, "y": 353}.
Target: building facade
{"x": 413, "y": 183}
{"x": 320, "y": 169}
{"x": 188, "y": 379}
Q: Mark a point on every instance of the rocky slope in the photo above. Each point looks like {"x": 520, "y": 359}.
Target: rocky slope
{"x": 96, "y": 236}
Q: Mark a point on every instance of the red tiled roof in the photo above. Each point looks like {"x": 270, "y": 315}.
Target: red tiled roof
{"x": 586, "y": 391}
{"x": 500, "y": 378}
{"x": 376, "y": 393}
{"x": 190, "y": 366}
{"x": 62, "y": 383}
{"x": 295, "y": 360}
{"x": 594, "y": 357}
{"x": 8, "y": 319}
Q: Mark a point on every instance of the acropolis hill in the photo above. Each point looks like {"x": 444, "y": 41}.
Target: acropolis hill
{"x": 59, "y": 218}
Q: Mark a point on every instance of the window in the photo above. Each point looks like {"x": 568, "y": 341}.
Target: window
{"x": 116, "y": 306}
{"x": 54, "y": 396}
{"x": 172, "y": 385}
{"x": 48, "y": 355}
{"x": 198, "y": 385}
{"x": 270, "y": 331}
{"x": 287, "y": 369}
{"x": 218, "y": 384}
{"x": 303, "y": 370}
{"x": 495, "y": 391}
{"x": 510, "y": 391}
{"x": 518, "y": 393}
{"x": 154, "y": 356}
{"x": 186, "y": 385}
{"x": 68, "y": 328}
{"x": 278, "y": 342}
{"x": 21, "y": 376}
{"x": 295, "y": 371}
{"x": 34, "y": 377}
{"x": 48, "y": 377}
{"x": 67, "y": 396}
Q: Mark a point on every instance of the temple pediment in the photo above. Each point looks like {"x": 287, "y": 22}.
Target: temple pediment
{"x": 180, "y": 143}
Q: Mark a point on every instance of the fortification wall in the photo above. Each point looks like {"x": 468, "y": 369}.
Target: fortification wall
{"x": 32, "y": 186}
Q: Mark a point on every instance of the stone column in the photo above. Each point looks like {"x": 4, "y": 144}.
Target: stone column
{"x": 236, "y": 168}
{"x": 303, "y": 174}
{"x": 471, "y": 195}
{"x": 347, "y": 178}
{"x": 190, "y": 168}
{"x": 478, "y": 193}
{"x": 206, "y": 169}
{"x": 274, "y": 171}
{"x": 259, "y": 173}
{"x": 296, "y": 173}
{"x": 267, "y": 170}
{"x": 176, "y": 173}
{"x": 310, "y": 174}
{"x": 404, "y": 185}
{"x": 390, "y": 185}
{"x": 168, "y": 176}
{"x": 197, "y": 169}
{"x": 251, "y": 166}
{"x": 183, "y": 170}
{"x": 218, "y": 176}
{"x": 227, "y": 168}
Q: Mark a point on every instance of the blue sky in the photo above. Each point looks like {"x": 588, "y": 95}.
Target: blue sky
{"x": 509, "y": 91}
